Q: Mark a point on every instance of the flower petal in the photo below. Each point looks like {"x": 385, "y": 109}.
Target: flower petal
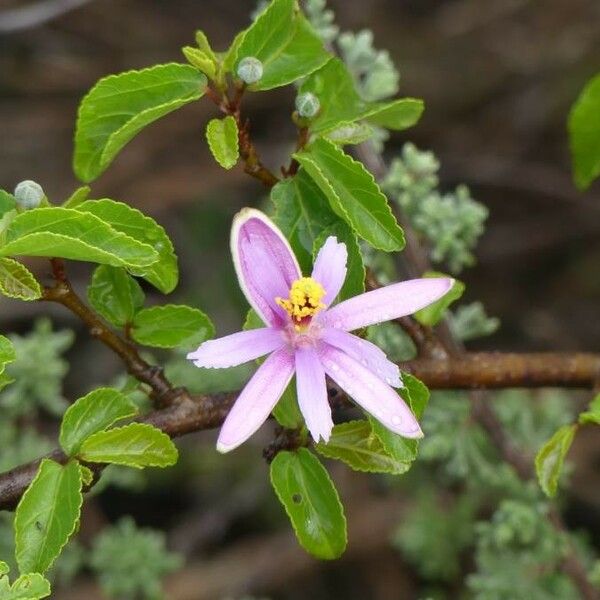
{"x": 365, "y": 352}
{"x": 256, "y": 400}
{"x": 330, "y": 268}
{"x": 237, "y": 348}
{"x": 375, "y": 396}
{"x": 264, "y": 262}
{"x": 312, "y": 394}
{"x": 386, "y": 303}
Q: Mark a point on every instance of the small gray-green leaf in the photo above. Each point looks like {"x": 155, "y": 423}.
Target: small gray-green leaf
{"x": 222, "y": 137}
{"x": 94, "y": 412}
{"x": 170, "y": 326}
{"x": 311, "y": 501}
{"x": 163, "y": 273}
{"x": 584, "y": 134}
{"x": 355, "y": 444}
{"x": 119, "y": 106}
{"x": 69, "y": 233}
{"x": 115, "y": 295}
{"x": 136, "y": 445}
{"x": 353, "y": 194}
{"x": 17, "y": 281}
{"x": 434, "y": 313}
{"x": 47, "y": 515}
{"x": 350, "y": 133}
{"x": 551, "y": 456}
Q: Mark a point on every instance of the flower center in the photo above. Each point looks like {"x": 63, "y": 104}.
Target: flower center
{"x": 304, "y": 301}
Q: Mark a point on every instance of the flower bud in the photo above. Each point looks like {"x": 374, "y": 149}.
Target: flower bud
{"x": 29, "y": 194}
{"x": 250, "y": 69}
{"x": 307, "y": 105}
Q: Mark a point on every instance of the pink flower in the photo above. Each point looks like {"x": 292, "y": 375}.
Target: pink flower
{"x": 304, "y": 334}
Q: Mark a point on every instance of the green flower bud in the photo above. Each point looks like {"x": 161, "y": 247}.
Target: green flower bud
{"x": 250, "y": 69}
{"x": 29, "y": 194}
{"x": 307, "y": 105}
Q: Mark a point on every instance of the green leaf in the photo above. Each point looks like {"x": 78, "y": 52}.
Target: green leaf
{"x": 81, "y": 194}
{"x": 355, "y": 444}
{"x": 354, "y": 283}
{"x": 119, "y": 106}
{"x": 592, "y": 415}
{"x": 350, "y": 133}
{"x": 47, "y": 515}
{"x": 302, "y": 213}
{"x": 17, "y": 281}
{"x": 416, "y": 394}
{"x": 287, "y": 412}
{"x": 341, "y": 105}
{"x": 135, "y": 445}
{"x": 311, "y": 501}
{"x": 87, "y": 475}
{"x": 353, "y": 194}
{"x": 163, "y": 273}
{"x": 204, "y": 45}
{"x": 584, "y": 134}
{"x": 222, "y": 137}
{"x": 7, "y": 202}
{"x": 434, "y": 313}
{"x": 115, "y": 295}
{"x": 7, "y": 352}
{"x": 252, "y": 321}
{"x": 68, "y": 233}
{"x": 170, "y": 326}
{"x": 229, "y": 58}
{"x": 201, "y": 61}
{"x": 285, "y": 43}
{"x": 93, "y": 413}
{"x": 551, "y": 456}
{"x": 397, "y": 114}
{"x": 31, "y": 586}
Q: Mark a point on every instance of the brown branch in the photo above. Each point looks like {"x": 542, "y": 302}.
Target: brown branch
{"x": 163, "y": 392}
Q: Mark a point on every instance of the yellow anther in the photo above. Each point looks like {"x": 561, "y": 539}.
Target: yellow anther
{"x": 304, "y": 299}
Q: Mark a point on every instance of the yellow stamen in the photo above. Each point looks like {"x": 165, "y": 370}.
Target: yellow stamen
{"x": 304, "y": 299}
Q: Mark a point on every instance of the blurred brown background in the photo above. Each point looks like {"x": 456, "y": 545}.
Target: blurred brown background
{"x": 498, "y": 78}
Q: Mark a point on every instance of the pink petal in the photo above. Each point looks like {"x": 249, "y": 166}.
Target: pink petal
{"x": 312, "y": 394}
{"x": 386, "y": 303}
{"x": 375, "y": 396}
{"x": 264, "y": 262}
{"x": 237, "y": 348}
{"x": 365, "y": 352}
{"x": 256, "y": 400}
{"x": 330, "y": 268}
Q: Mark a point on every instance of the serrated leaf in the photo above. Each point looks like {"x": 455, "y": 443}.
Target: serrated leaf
{"x": 416, "y": 395}
{"x": 431, "y": 315}
{"x": 285, "y": 43}
{"x": 31, "y": 586}
{"x": 115, "y": 295}
{"x": 230, "y": 56}
{"x": 354, "y": 283}
{"x": 47, "y": 515}
{"x": 396, "y": 115}
{"x": 170, "y": 326}
{"x": 17, "y": 281}
{"x": 7, "y": 202}
{"x": 136, "y": 445}
{"x": 302, "y": 212}
{"x": 92, "y": 413}
{"x": 350, "y": 133}
{"x": 163, "y": 273}
{"x": 200, "y": 60}
{"x": 584, "y": 134}
{"x": 7, "y": 352}
{"x": 119, "y": 106}
{"x": 551, "y": 456}
{"x": 592, "y": 415}
{"x": 311, "y": 501}
{"x": 69, "y": 233}
{"x": 355, "y": 444}
{"x": 81, "y": 194}
{"x": 352, "y": 194}
{"x": 204, "y": 44}
{"x": 222, "y": 137}
{"x": 87, "y": 475}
